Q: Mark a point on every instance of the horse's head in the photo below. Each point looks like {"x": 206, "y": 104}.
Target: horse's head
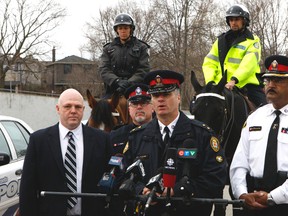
{"x": 209, "y": 105}
{"x": 107, "y": 113}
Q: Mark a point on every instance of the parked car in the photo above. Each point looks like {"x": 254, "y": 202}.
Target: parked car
{"x": 14, "y": 138}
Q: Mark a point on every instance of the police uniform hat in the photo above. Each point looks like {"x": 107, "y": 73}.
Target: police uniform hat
{"x": 163, "y": 81}
{"x": 137, "y": 92}
{"x": 277, "y": 66}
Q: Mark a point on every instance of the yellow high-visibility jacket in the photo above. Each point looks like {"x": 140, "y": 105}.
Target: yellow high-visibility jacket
{"x": 241, "y": 62}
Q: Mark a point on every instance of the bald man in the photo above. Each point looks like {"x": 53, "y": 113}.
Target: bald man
{"x": 45, "y": 170}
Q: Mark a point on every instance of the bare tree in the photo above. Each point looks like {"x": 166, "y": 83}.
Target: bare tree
{"x": 181, "y": 32}
{"x": 269, "y": 21}
{"x": 25, "y": 26}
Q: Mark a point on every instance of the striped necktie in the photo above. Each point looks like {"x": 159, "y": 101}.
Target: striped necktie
{"x": 70, "y": 170}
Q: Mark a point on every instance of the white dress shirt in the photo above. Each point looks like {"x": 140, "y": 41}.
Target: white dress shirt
{"x": 171, "y": 127}
{"x": 249, "y": 156}
{"x": 78, "y": 138}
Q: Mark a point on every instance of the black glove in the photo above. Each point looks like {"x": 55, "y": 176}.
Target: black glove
{"x": 122, "y": 85}
{"x": 183, "y": 187}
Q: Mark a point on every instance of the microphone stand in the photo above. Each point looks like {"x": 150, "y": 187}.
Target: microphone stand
{"x": 168, "y": 197}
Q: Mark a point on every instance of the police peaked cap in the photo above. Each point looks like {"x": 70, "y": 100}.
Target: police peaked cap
{"x": 277, "y": 66}
{"x": 163, "y": 81}
{"x": 137, "y": 92}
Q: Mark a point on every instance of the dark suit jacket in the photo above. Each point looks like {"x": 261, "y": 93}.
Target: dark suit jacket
{"x": 44, "y": 171}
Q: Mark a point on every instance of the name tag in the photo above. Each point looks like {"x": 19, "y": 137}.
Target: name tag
{"x": 255, "y": 128}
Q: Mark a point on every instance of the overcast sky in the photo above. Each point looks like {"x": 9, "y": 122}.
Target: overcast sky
{"x": 69, "y": 35}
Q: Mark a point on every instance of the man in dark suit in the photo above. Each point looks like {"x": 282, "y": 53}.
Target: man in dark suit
{"x": 45, "y": 167}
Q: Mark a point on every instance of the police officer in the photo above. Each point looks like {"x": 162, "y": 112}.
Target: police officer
{"x": 125, "y": 60}
{"x": 140, "y": 111}
{"x": 265, "y": 193}
{"x": 207, "y": 172}
{"x": 238, "y": 53}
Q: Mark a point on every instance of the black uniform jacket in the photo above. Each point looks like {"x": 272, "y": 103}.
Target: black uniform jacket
{"x": 119, "y": 137}
{"x": 129, "y": 61}
{"x": 44, "y": 171}
{"x": 207, "y": 172}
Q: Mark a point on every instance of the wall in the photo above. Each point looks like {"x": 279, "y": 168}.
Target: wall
{"x": 37, "y": 111}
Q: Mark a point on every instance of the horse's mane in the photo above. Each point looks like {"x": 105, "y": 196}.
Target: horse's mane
{"x": 102, "y": 113}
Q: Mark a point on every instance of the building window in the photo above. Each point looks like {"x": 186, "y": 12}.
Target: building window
{"x": 67, "y": 68}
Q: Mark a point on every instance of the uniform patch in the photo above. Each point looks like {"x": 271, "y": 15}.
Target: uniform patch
{"x": 126, "y": 148}
{"x": 214, "y": 143}
{"x": 256, "y": 45}
{"x": 219, "y": 159}
{"x": 255, "y": 128}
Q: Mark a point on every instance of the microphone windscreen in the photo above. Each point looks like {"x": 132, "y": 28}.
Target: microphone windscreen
{"x": 169, "y": 172}
{"x": 116, "y": 161}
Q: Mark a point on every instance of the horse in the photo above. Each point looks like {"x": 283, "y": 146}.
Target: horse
{"x": 223, "y": 110}
{"x": 106, "y": 114}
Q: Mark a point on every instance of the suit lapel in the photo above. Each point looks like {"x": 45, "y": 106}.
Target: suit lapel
{"x": 54, "y": 142}
{"x": 87, "y": 138}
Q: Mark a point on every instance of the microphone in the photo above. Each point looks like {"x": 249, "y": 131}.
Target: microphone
{"x": 107, "y": 182}
{"x": 156, "y": 185}
{"x": 135, "y": 172}
{"x": 169, "y": 172}
{"x": 185, "y": 154}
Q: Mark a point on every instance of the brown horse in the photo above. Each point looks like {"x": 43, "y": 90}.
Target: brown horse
{"x": 106, "y": 114}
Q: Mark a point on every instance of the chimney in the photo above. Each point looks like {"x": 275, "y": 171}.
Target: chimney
{"x": 53, "y": 54}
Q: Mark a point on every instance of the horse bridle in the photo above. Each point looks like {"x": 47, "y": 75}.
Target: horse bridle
{"x": 226, "y": 123}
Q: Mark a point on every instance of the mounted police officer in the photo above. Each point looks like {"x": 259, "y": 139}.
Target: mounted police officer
{"x": 125, "y": 60}
{"x": 238, "y": 53}
{"x": 203, "y": 176}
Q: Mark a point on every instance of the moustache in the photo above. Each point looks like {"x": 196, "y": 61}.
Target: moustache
{"x": 270, "y": 90}
{"x": 141, "y": 112}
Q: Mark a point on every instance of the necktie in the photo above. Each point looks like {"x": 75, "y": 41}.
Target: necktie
{"x": 70, "y": 170}
{"x": 270, "y": 167}
{"x": 167, "y": 136}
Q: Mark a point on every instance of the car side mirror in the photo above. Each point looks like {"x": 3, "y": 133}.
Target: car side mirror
{"x": 4, "y": 159}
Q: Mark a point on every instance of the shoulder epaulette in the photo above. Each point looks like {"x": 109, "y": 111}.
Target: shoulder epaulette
{"x": 144, "y": 43}
{"x": 106, "y": 44}
{"x": 139, "y": 128}
{"x": 202, "y": 125}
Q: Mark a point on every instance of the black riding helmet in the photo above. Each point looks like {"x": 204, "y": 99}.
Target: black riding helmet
{"x": 238, "y": 10}
{"x": 124, "y": 19}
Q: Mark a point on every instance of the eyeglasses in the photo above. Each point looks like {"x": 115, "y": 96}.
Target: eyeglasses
{"x": 136, "y": 104}
{"x": 276, "y": 80}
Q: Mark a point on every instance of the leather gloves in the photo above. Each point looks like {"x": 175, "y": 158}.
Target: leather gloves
{"x": 122, "y": 85}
